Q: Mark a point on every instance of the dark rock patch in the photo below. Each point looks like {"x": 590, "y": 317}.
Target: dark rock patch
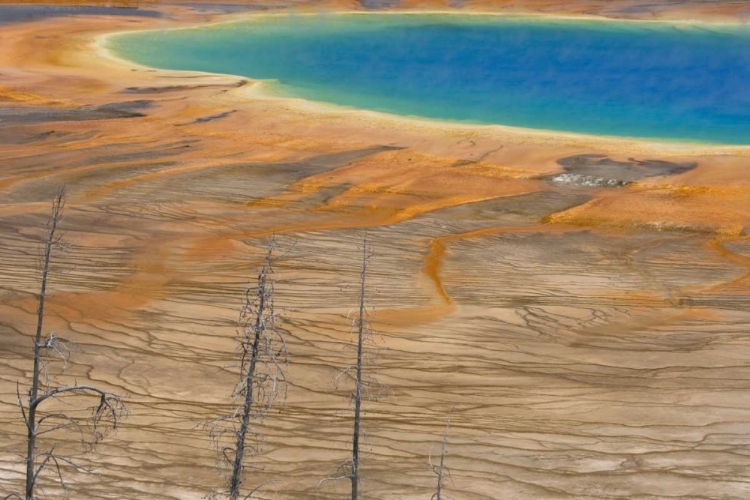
{"x": 602, "y": 171}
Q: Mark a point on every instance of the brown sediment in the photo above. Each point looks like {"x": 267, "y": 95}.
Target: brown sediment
{"x": 709, "y": 209}
{"x": 592, "y": 340}
{"x": 719, "y": 245}
{"x": 18, "y": 95}
{"x": 433, "y": 261}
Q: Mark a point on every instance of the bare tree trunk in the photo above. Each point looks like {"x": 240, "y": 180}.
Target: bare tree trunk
{"x": 235, "y": 481}
{"x": 358, "y": 381}
{"x": 262, "y": 352}
{"x": 439, "y": 470}
{"x": 107, "y": 412}
{"x": 57, "y": 207}
{"x": 366, "y": 387}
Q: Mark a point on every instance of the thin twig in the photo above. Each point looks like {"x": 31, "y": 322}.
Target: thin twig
{"x": 440, "y": 470}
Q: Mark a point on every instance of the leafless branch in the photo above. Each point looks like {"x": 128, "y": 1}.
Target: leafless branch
{"x": 68, "y": 423}
{"x": 441, "y": 470}
{"x": 47, "y": 457}
{"x": 366, "y": 387}
{"x": 261, "y": 349}
{"x": 59, "y": 347}
{"x": 250, "y": 495}
{"x": 106, "y": 413}
{"x": 344, "y": 471}
{"x": 22, "y": 407}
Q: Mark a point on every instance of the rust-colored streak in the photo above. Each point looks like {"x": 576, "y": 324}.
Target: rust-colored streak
{"x": 741, "y": 260}
{"x": 432, "y": 265}
{"x": 438, "y": 247}
{"x": 578, "y": 358}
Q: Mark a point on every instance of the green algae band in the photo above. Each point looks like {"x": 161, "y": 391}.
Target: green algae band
{"x": 676, "y": 82}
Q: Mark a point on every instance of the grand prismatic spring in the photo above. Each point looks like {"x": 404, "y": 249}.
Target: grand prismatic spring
{"x": 657, "y": 80}
{"x": 556, "y": 196}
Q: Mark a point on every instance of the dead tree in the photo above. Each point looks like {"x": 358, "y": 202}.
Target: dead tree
{"x": 262, "y": 353}
{"x": 440, "y": 470}
{"x": 358, "y": 377}
{"x": 365, "y": 386}
{"x": 105, "y": 409}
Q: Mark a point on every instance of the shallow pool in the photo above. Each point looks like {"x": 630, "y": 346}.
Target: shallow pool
{"x": 680, "y": 82}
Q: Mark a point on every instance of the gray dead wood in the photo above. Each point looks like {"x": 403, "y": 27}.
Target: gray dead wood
{"x": 366, "y": 386}
{"x": 440, "y": 470}
{"x": 262, "y": 364}
{"x": 106, "y": 409}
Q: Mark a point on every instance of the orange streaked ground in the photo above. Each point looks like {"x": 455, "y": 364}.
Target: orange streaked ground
{"x": 591, "y": 340}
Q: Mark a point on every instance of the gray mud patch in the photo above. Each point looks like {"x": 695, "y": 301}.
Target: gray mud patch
{"x": 22, "y": 135}
{"x": 248, "y": 182}
{"x": 128, "y": 106}
{"x": 211, "y": 118}
{"x": 26, "y": 13}
{"x": 379, "y": 4}
{"x": 163, "y": 89}
{"x": 287, "y": 173}
{"x": 230, "y": 8}
{"x": 602, "y": 171}
{"x": 160, "y": 152}
{"x": 526, "y": 207}
{"x": 24, "y": 115}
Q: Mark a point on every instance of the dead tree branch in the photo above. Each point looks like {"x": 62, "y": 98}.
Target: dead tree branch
{"x": 263, "y": 359}
{"x": 441, "y": 470}
{"x": 106, "y": 412}
{"x": 365, "y": 386}
{"x": 361, "y": 322}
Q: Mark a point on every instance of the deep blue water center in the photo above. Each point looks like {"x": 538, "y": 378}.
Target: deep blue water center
{"x": 654, "y": 80}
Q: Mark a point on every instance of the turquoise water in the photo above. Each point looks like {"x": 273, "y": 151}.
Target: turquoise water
{"x": 652, "y": 80}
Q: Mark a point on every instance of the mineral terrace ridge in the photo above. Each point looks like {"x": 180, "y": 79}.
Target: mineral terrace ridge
{"x": 580, "y": 303}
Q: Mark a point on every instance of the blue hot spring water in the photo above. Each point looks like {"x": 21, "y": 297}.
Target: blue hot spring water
{"x": 681, "y": 82}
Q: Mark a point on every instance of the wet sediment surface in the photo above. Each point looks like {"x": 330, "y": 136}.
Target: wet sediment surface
{"x": 590, "y": 340}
